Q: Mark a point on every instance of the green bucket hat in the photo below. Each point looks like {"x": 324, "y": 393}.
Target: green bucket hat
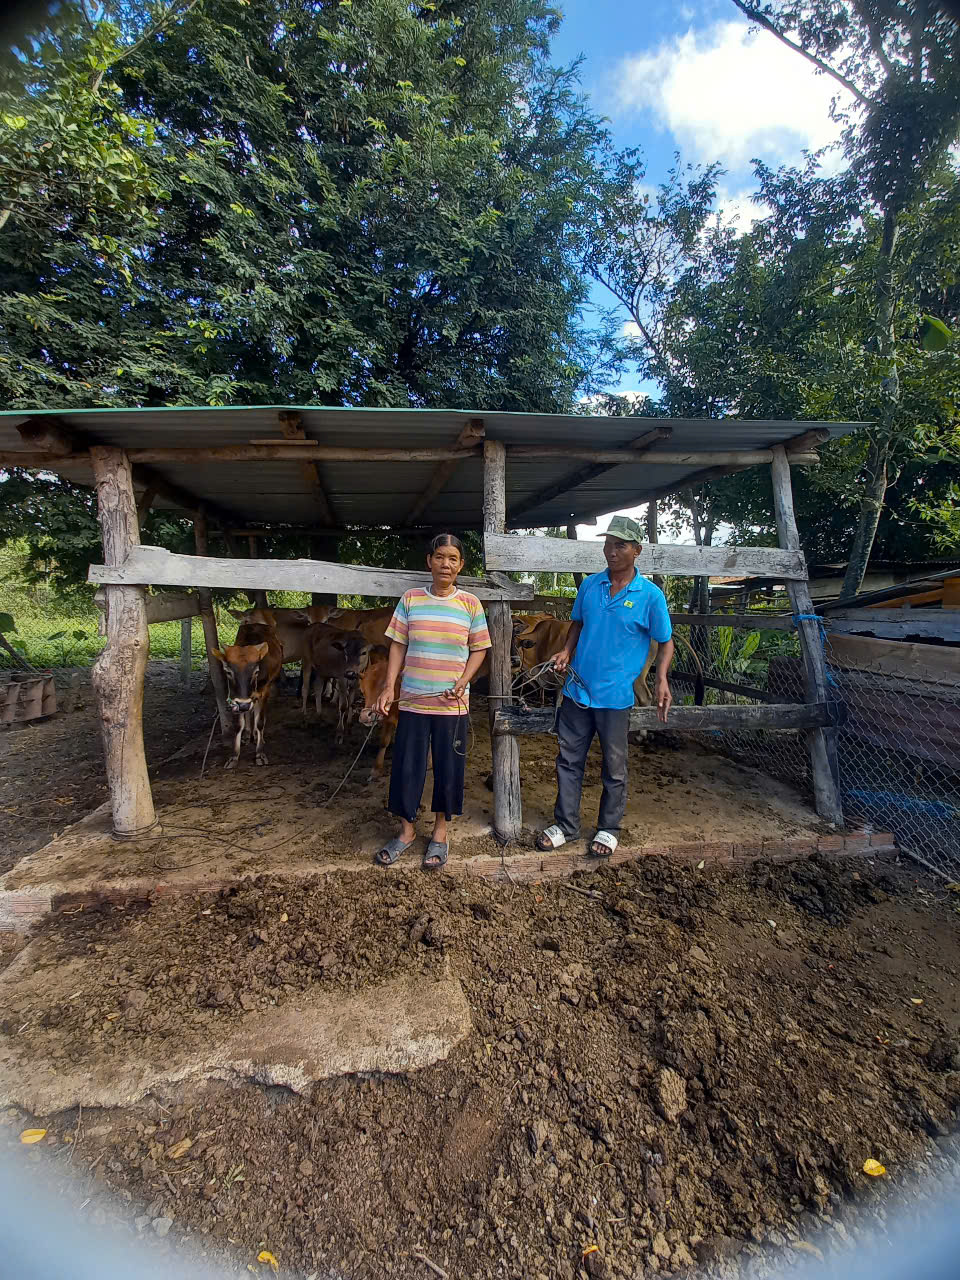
{"x": 624, "y": 528}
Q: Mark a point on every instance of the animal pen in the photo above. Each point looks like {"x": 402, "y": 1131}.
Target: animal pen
{"x": 325, "y": 472}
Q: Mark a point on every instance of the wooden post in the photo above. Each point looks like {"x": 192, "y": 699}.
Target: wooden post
{"x": 119, "y": 671}
{"x": 653, "y": 536}
{"x": 259, "y": 597}
{"x": 572, "y": 537}
{"x": 186, "y": 651}
{"x": 822, "y": 743}
{"x": 507, "y": 810}
{"x": 327, "y": 549}
{"x": 209, "y": 620}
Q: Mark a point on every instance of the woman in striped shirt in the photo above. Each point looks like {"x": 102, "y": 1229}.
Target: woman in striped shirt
{"x": 438, "y": 636}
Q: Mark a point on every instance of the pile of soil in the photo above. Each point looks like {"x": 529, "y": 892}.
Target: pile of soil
{"x": 668, "y": 1065}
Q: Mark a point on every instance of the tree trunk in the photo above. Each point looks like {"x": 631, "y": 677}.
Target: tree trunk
{"x": 878, "y": 457}
{"x": 871, "y": 505}
{"x": 653, "y": 536}
{"x": 119, "y": 671}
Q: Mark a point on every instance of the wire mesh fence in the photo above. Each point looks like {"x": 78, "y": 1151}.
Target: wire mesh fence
{"x": 898, "y": 739}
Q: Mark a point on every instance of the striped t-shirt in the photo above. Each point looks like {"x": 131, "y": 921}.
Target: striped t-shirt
{"x": 439, "y": 632}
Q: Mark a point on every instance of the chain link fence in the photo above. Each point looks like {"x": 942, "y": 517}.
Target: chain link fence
{"x": 898, "y": 739}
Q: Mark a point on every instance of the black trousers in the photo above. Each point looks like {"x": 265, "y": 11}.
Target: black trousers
{"x": 416, "y": 736}
{"x": 576, "y": 726}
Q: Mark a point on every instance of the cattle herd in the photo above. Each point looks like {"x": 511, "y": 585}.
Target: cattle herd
{"x": 343, "y": 658}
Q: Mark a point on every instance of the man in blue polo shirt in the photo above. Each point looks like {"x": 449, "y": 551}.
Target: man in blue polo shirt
{"x": 616, "y": 615}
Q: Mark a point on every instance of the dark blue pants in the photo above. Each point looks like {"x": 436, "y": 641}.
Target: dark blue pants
{"x": 576, "y": 726}
{"x": 417, "y": 735}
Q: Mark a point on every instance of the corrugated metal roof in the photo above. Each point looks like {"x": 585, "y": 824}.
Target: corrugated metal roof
{"x": 382, "y": 493}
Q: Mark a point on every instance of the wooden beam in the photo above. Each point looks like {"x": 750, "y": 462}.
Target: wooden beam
{"x": 574, "y": 479}
{"x": 896, "y": 624}
{"x": 552, "y": 555}
{"x": 659, "y": 457}
{"x": 471, "y": 435}
{"x": 292, "y": 429}
{"x": 739, "y": 621}
{"x": 507, "y": 804}
{"x": 186, "y": 652}
{"x": 514, "y": 719}
{"x": 295, "y": 453}
{"x": 795, "y": 444}
{"x": 169, "y": 606}
{"x": 119, "y": 671}
{"x": 822, "y": 743}
{"x": 725, "y": 686}
{"x": 145, "y": 501}
{"x": 209, "y": 619}
{"x": 154, "y": 566}
{"x": 47, "y": 435}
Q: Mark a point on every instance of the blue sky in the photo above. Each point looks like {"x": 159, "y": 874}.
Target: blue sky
{"x": 696, "y": 78}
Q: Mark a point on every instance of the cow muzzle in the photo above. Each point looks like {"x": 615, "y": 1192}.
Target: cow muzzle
{"x": 240, "y": 705}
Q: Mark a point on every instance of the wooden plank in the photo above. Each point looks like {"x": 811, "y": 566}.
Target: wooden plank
{"x": 507, "y": 804}
{"x": 821, "y": 743}
{"x": 119, "y": 671}
{"x": 660, "y": 457}
{"x": 168, "y": 606}
{"x": 471, "y": 435}
{"x": 156, "y": 567}
{"x": 926, "y": 662}
{"x": 296, "y": 453}
{"x": 583, "y": 475}
{"x": 896, "y": 624}
{"x": 513, "y": 552}
{"x": 725, "y": 686}
{"x": 739, "y": 621}
{"x": 776, "y": 716}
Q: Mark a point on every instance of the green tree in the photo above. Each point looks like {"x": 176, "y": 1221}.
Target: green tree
{"x": 896, "y": 59}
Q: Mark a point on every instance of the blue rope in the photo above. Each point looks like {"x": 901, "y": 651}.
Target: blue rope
{"x": 815, "y": 617}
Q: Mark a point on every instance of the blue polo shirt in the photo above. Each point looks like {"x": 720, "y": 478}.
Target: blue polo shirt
{"x": 615, "y": 639}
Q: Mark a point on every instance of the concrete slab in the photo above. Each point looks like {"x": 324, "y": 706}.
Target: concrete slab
{"x": 397, "y": 1027}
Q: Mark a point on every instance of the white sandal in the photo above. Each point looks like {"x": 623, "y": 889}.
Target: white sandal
{"x": 609, "y": 842}
{"x": 554, "y": 834}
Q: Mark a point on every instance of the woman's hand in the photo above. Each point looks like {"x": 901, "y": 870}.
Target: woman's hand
{"x": 459, "y": 691}
{"x": 384, "y": 702}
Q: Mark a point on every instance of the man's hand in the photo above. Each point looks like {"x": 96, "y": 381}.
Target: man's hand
{"x": 664, "y": 698}
{"x": 561, "y": 661}
{"x": 384, "y": 702}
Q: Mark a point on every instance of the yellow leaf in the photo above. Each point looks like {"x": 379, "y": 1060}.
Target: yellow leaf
{"x": 180, "y": 1148}
{"x": 29, "y": 1136}
{"x": 953, "y": 886}
{"x": 266, "y": 1256}
{"x": 284, "y": 918}
{"x": 915, "y": 1000}
{"x": 874, "y": 1168}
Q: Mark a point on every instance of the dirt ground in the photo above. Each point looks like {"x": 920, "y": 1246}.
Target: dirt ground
{"x": 51, "y": 771}
{"x": 669, "y": 1067}
{"x": 226, "y": 825}
{"x": 672, "y": 1065}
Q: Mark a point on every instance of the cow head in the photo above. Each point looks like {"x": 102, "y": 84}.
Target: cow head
{"x": 371, "y": 682}
{"x": 353, "y": 651}
{"x": 245, "y": 669}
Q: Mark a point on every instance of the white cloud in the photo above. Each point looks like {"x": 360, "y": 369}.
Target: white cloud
{"x": 739, "y": 209}
{"x": 630, "y": 329}
{"x": 730, "y": 93}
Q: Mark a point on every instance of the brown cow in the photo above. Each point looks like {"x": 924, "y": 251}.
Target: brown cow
{"x": 371, "y": 682}
{"x": 252, "y": 664}
{"x": 331, "y": 653}
{"x": 371, "y": 623}
{"x": 539, "y": 641}
{"x": 291, "y": 625}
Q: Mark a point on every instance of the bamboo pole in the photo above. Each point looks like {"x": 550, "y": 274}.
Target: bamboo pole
{"x": 118, "y": 674}
{"x": 507, "y": 805}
